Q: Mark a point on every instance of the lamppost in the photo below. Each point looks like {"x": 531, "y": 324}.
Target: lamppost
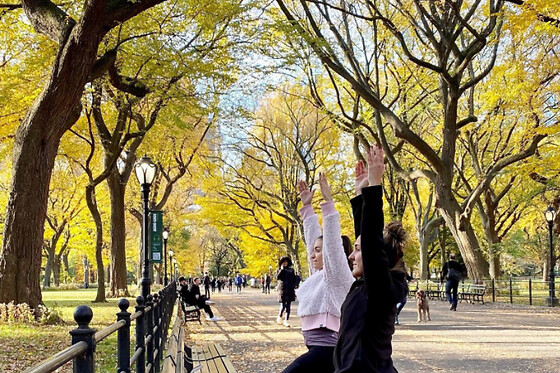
{"x": 175, "y": 266}
{"x": 170, "y": 264}
{"x": 145, "y": 172}
{"x": 165, "y": 235}
{"x": 552, "y": 301}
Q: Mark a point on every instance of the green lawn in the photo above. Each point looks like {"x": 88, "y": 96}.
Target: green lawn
{"x": 22, "y": 346}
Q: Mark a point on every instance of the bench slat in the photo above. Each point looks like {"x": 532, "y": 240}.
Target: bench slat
{"x": 225, "y": 359}
{"x": 218, "y": 360}
{"x": 212, "y": 359}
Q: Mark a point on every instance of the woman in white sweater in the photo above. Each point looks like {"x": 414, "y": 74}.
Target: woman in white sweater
{"x": 322, "y": 294}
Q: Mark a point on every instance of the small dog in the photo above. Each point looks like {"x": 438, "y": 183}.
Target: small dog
{"x": 422, "y": 305}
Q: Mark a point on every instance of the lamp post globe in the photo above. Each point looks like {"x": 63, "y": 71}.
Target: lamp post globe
{"x": 145, "y": 171}
{"x": 552, "y": 301}
{"x": 165, "y": 235}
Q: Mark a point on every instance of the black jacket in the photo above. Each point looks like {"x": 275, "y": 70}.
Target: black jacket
{"x": 186, "y": 295}
{"x": 368, "y": 314}
{"x": 286, "y": 284}
{"x": 451, "y": 264}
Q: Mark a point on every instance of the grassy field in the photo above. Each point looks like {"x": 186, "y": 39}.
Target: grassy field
{"x": 22, "y": 346}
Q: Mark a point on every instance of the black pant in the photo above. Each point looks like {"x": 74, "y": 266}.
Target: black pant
{"x": 207, "y": 291}
{"x": 317, "y": 359}
{"x": 451, "y": 292}
{"x": 201, "y": 303}
{"x": 285, "y": 306}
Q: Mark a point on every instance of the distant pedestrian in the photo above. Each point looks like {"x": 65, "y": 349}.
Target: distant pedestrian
{"x": 402, "y": 303}
{"x": 206, "y": 283}
{"x": 452, "y": 273}
{"x": 230, "y": 284}
{"x": 267, "y": 281}
{"x": 286, "y": 289}
{"x": 238, "y": 283}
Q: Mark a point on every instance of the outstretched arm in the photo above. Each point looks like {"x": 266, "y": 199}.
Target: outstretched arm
{"x": 375, "y": 262}
{"x": 311, "y": 227}
{"x": 361, "y": 181}
{"x": 335, "y": 264}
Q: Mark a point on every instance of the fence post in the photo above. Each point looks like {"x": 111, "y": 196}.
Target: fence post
{"x": 123, "y": 338}
{"x": 510, "y": 291}
{"x": 162, "y": 324}
{"x": 157, "y": 326}
{"x": 141, "y": 362}
{"x": 150, "y": 331}
{"x": 493, "y": 290}
{"x": 530, "y": 292}
{"x": 84, "y": 363}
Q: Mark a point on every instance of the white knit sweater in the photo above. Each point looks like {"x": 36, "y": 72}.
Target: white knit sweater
{"x": 325, "y": 290}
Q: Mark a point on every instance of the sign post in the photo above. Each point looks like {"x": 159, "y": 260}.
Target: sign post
{"x": 156, "y": 241}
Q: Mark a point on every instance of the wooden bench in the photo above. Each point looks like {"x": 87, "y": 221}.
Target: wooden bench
{"x": 473, "y": 293}
{"x": 191, "y": 313}
{"x": 435, "y": 290}
{"x": 210, "y": 359}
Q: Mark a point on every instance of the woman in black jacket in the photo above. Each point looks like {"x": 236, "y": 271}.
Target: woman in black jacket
{"x": 286, "y": 288}
{"x": 368, "y": 313}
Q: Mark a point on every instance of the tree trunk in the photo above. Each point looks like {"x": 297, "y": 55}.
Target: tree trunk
{"x": 54, "y": 111}
{"x": 66, "y": 267}
{"x": 117, "y": 189}
{"x": 85, "y": 263}
{"x": 464, "y": 235}
{"x": 33, "y": 160}
{"x": 423, "y": 255}
{"x": 56, "y": 271}
{"x": 48, "y": 268}
{"x": 92, "y": 206}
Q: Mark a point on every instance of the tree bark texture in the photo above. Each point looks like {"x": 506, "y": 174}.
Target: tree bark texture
{"x": 464, "y": 235}
{"x": 118, "y": 285}
{"x": 54, "y": 111}
{"x": 92, "y": 206}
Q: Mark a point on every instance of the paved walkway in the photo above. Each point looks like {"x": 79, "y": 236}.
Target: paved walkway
{"x": 476, "y": 338}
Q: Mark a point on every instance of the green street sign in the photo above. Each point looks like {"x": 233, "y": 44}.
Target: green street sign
{"x": 156, "y": 241}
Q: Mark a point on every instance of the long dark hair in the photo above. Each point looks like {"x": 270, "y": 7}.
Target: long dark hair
{"x": 395, "y": 236}
{"x": 347, "y": 246}
{"x": 283, "y": 259}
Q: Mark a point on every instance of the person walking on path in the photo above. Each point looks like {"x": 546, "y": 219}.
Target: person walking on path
{"x": 367, "y": 321}
{"x": 286, "y": 289}
{"x": 402, "y": 303}
{"x": 452, "y": 273}
{"x": 238, "y": 283}
{"x": 267, "y": 281}
{"x": 322, "y": 294}
{"x": 206, "y": 283}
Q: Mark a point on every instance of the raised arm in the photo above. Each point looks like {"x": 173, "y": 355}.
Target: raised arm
{"x": 375, "y": 262}
{"x": 361, "y": 181}
{"x": 311, "y": 227}
{"x": 338, "y": 275}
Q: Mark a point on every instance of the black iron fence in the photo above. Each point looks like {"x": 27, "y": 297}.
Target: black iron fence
{"x": 152, "y": 318}
{"x": 513, "y": 290}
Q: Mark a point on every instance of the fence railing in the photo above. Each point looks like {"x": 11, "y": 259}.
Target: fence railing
{"x": 152, "y": 318}
{"x": 513, "y": 290}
